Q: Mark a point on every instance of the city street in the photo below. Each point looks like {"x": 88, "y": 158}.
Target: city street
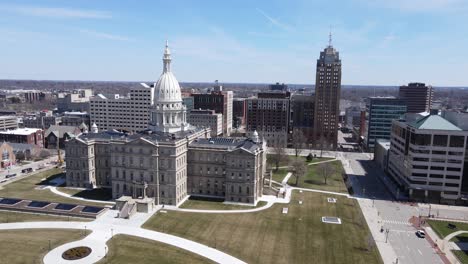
{"x": 35, "y": 165}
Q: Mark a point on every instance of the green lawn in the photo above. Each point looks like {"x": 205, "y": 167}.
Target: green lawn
{"x": 461, "y": 255}
{"x": 129, "y": 249}
{"x": 11, "y": 217}
{"x": 279, "y": 174}
{"x": 292, "y": 158}
{"x": 313, "y": 180}
{"x": 269, "y": 236}
{"x": 442, "y": 230}
{"x": 29, "y": 188}
{"x": 30, "y": 246}
{"x": 195, "y": 203}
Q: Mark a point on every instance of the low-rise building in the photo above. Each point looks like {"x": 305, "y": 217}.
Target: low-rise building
{"x": 207, "y": 118}
{"x": 76, "y": 100}
{"x": 59, "y": 134}
{"x": 8, "y": 123}
{"x": 42, "y": 120}
{"x": 8, "y": 156}
{"x": 381, "y": 150}
{"x": 23, "y": 135}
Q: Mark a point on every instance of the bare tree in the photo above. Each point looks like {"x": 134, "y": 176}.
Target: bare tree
{"x": 44, "y": 154}
{"x": 322, "y": 142}
{"x": 299, "y": 170}
{"x": 298, "y": 141}
{"x": 279, "y": 153}
{"x": 326, "y": 169}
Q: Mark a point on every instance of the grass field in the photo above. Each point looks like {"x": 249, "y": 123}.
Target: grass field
{"x": 442, "y": 230}
{"x": 129, "y": 249}
{"x": 12, "y": 217}
{"x": 461, "y": 255}
{"x": 279, "y": 175}
{"x": 27, "y": 188}
{"x": 292, "y": 158}
{"x": 269, "y": 236}
{"x": 30, "y": 246}
{"x": 313, "y": 180}
{"x": 195, "y": 203}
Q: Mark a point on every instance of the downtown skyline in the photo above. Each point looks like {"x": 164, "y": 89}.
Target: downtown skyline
{"x": 263, "y": 42}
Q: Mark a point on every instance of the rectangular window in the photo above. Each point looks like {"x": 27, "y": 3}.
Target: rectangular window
{"x": 457, "y": 141}
{"x": 440, "y": 140}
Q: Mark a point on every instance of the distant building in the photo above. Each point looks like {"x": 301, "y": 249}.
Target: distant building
{"x": 188, "y": 102}
{"x": 129, "y": 114}
{"x": 428, "y": 159}
{"x": 418, "y": 97}
{"x": 59, "y": 134}
{"x": 327, "y": 98}
{"x": 8, "y": 157}
{"x": 75, "y": 119}
{"x": 207, "y": 118}
{"x": 42, "y": 120}
{"x": 77, "y": 100}
{"x": 34, "y": 96}
{"x": 270, "y": 115}
{"x": 23, "y": 135}
{"x": 278, "y": 87}
{"x": 353, "y": 117}
{"x": 381, "y": 149}
{"x": 382, "y": 111}
{"x": 302, "y": 108}
{"x": 8, "y": 123}
{"x": 239, "y": 110}
{"x": 221, "y": 102}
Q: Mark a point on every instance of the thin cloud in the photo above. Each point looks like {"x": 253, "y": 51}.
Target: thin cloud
{"x": 275, "y": 21}
{"x": 420, "y": 5}
{"x": 104, "y": 35}
{"x": 56, "y": 12}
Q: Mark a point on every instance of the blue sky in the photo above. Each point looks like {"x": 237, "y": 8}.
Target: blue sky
{"x": 381, "y": 42}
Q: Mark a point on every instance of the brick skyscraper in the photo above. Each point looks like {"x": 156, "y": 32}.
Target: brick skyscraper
{"x": 327, "y": 98}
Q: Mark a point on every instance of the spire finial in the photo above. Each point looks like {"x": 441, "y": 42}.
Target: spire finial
{"x": 330, "y": 37}
{"x": 167, "y": 58}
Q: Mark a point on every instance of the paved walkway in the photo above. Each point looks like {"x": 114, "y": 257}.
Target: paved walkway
{"x": 54, "y": 190}
{"x": 108, "y": 225}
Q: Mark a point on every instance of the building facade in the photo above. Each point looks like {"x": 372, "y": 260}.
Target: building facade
{"x": 171, "y": 159}
{"x": 427, "y": 159}
{"x": 239, "y": 112}
{"x": 42, "y": 120}
{"x": 302, "y": 108}
{"x": 8, "y": 123}
{"x": 129, "y": 114}
{"x": 327, "y": 98}
{"x": 381, "y": 112}
{"x": 207, "y": 118}
{"x": 221, "y": 102}
{"x": 418, "y": 97}
{"x": 76, "y": 100}
{"x": 23, "y": 135}
{"x": 270, "y": 115}
{"x": 76, "y": 119}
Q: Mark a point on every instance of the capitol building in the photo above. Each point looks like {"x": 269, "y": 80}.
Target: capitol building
{"x": 170, "y": 160}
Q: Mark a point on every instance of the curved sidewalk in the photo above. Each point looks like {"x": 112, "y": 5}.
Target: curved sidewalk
{"x": 102, "y": 232}
{"x": 54, "y": 190}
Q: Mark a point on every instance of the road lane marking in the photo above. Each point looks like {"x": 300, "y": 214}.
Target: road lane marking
{"x": 420, "y": 252}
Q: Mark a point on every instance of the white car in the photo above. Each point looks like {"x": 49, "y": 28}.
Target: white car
{"x": 420, "y": 233}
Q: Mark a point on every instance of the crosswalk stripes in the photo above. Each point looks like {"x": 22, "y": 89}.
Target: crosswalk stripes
{"x": 395, "y": 222}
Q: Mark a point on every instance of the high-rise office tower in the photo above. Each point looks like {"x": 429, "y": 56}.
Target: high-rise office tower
{"x": 327, "y": 98}
{"x": 418, "y": 97}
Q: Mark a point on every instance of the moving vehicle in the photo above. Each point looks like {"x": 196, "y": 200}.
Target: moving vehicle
{"x": 420, "y": 233}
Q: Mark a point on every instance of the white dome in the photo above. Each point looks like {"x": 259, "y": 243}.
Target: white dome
{"x": 167, "y": 89}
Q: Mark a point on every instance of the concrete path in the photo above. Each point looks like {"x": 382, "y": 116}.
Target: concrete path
{"x": 454, "y": 234}
{"x": 286, "y": 178}
{"x": 54, "y": 190}
{"x": 107, "y": 226}
{"x": 268, "y": 205}
{"x": 310, "y": 164}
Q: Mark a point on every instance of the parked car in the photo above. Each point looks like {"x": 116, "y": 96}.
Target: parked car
{"x": 27, "y": 170}
{"x": 10, "y": 175}
{"x": 421, "y": 233}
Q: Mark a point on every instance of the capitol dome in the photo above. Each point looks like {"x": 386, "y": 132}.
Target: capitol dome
{"x": 168, "y": 114}
{"x": 167, "y": 88}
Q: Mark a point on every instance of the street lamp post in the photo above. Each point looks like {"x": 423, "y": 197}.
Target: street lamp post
{"x": 49, "y": 245}
{"x": 429, "y": 215}
{"x": 112, "y": 232}
{"x": 386, "y": 234}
